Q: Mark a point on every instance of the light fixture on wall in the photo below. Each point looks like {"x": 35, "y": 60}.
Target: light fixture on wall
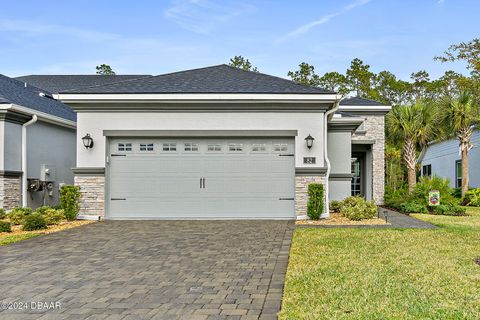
{"x": 309, "y": 140}
{"x": 87, "y": 141}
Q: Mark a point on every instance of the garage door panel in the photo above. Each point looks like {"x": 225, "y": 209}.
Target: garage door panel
{"x": 167, "y": 184}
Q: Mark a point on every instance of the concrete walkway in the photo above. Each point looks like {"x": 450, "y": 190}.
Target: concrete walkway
{"x": 149, "y": 270}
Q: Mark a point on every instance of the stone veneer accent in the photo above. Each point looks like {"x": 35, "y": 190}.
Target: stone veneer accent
{"x": 92, "y": 189}
{"x": 301, "y": 191}
{"x": 375, "y": 130}
{"x": 10, "y": 192}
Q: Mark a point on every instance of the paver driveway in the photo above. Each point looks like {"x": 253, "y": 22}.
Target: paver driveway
{"x": 150, "y": 270}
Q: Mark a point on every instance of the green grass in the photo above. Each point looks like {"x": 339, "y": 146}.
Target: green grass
{"x": 11, "y": 238}
{"x": 386, "y": 273}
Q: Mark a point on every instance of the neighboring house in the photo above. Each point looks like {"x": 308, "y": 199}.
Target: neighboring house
{"x": 443, "y": 159}
{"x": 220, "y": 142}
{"x": 37, "y": 145}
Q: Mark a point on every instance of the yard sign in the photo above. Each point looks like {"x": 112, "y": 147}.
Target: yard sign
{"x": 434, "y": 198}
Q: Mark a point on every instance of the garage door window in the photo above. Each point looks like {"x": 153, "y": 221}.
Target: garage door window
{"x": 191, "y": 147}
{"x": 235, "y": 147}
{"x": 278, "y": 147}
{"x": 214, "y": 147}
{"x": 169, "y": 147}
{"x": 146, "y": 146}
{"x": 124, "y": 147}
{"x": 259, "y": 147}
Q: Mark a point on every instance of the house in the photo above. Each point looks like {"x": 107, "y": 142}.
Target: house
{"x": 442, "y": 159}
{"x": 37, "y": 145}
{"x": 221, "y": 143}
{"x": 38, "y": 136}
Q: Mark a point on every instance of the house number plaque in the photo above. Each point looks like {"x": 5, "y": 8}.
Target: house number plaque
{"x": 309, "y": 160}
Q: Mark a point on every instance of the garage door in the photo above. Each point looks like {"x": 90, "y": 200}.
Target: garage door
{"x": 201, "y": 178}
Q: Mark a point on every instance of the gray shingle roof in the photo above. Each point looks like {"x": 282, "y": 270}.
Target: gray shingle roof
{"x": 358, "y": 101}
{"x": 58, "y": 83}
{"x": 215, "y": 79}
{"x": 15, "y": 92}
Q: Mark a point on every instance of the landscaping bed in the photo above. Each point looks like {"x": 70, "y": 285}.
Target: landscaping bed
{"x": 17, "y": 234}
{"x": 336, "y": 219}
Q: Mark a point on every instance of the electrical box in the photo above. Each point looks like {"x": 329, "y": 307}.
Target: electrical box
{"x": 48, "y": 173}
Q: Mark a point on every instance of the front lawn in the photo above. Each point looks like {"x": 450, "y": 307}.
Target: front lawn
{"x": 386, "y": 273}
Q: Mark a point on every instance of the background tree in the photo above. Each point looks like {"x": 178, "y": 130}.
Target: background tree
{"x": 464, "y": 51}
{"x": 333, "y": 81}
{"x": 242, "y": 63}
{"x": 360, "y": 79}
{"x": 104, "y": 69}
{"x": 412, "y": 127}
{"x": 461, "y": 116}
{"x": 305, "y": 75}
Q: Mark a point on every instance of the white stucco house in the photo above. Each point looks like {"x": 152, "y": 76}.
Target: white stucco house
{"x": 442, "y": 159}
{"x": 221, "y": 143}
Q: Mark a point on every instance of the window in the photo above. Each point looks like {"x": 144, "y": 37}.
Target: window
{"x": 146, "y": 146}
{"x": 280, "y": 147}
{"x": 361, "y": 128}
{"x": 124, "y": 147}
{"x": 458, "y": 173}
{"x": 259, "y": 147}
{"x": 191, "y": 147}
{"x": 214, "y": 147}
{"x": 235, "y": 147}
{"x": 169, "y": 147}
{"x": 427, "y": 170}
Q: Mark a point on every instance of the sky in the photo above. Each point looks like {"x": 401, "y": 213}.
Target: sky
{"x": 160, "y": 36}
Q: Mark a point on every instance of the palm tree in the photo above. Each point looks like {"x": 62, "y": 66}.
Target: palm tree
{"x": 412, "y": 127}
{"x": 460, "y": 116}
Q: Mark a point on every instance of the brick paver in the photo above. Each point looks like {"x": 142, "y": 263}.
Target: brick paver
{"x": 150, "y": 270}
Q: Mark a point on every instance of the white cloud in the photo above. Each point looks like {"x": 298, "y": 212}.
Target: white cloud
{"x": 322, "y": 20}
{"x": 440, "y": 1}
{"x": 203, "y": 16}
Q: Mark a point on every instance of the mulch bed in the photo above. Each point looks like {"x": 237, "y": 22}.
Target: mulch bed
{"x": 17, "y": 230}
{"x": 336, "y": 219}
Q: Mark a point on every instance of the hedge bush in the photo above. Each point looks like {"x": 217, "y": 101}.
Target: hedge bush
{"x": 412, "y": 207}
{"x": 335, "y": 206}
{"x": 472, "y": 198}
{"x": 449, "y": 210}
{"x": 53, "y": 217}
{"x": 315, "y": 201}
{"x": 69, "y": 197}
{"x": 18, "y": 215}
{"x": 3, "y": 214}
{"x": 357, "y": 208}
{"x": 5, "y": 226}
{"x": 34, "y": 221}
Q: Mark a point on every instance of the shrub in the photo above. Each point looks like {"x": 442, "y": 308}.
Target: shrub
{"x": 335, "y": 205}
{"x": 34, "y": 221}
{"x": 357, "y": 208}
{"x": 315, "y": 200}
{"x": 395, "y": 198}
{"x": 449, "y": 210}
{"x": 457, "y": 193}
{"x": 427, "y": 184}
{"x": 3, "y": 214}
{"x": 69, "y": 196}
{"x": 412, "y": 207}
{"x": 17, "y": 215}
{"x": 472, "y": 198}
{"x": 42, "y": 210}
{"x": 5, "y": 226}
{"x": 53, "y": 216}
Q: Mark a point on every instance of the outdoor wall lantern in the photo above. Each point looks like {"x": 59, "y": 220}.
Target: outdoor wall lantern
{"x": 309, "y": 140}
{"x": 87, "y": 141}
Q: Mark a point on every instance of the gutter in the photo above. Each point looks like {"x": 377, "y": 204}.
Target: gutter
{"x": 24, "y": 159}
{"x": 326, "y": 214}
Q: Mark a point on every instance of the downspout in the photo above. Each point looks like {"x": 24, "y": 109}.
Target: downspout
{"x": 326, "y": 214}
{"x": 24, "y": 159}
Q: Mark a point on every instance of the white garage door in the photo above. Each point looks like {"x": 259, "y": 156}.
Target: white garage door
{"x": 201, "y": 178}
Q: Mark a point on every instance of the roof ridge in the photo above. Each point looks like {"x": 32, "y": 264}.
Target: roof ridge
{"x": 280, "y": 78}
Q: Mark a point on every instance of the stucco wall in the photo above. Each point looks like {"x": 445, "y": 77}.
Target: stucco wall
{"x": 442, "y": 157}
{"x": 94, "y": 124}
{"x": 375, "y": 130}
{"x": 13, "y": 147}
{"x": 54, "y": 146}
{"x": 339, "y": 151}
